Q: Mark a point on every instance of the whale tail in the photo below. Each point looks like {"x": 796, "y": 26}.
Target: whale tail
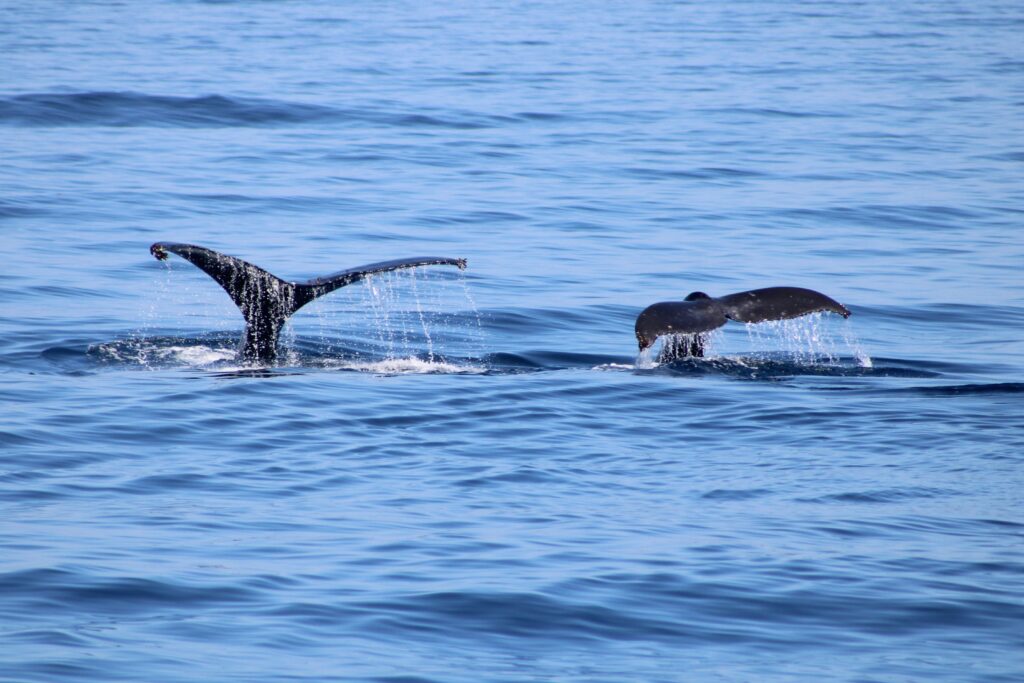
{"x": 687, "y": 322}
{"x": 265, "y": 300}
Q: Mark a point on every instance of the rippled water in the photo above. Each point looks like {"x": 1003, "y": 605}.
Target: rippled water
{"x": 472, "y": 476}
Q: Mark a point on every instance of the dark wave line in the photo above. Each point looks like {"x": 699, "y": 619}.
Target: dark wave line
{"x": 966, "y": 389}
{"x": 892, "y": 495}
{"x": 701, "y": 173}
{"x": 61, "y": 588}
{"x": 131, "y": 109}
{"x": 769, "y": 112}
{"x": 663, "y": 607}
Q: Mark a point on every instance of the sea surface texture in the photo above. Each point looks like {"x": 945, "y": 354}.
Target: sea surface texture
{"x": 472, "y": 476}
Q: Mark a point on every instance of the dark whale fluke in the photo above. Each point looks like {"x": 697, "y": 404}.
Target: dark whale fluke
{"x": 266, "y": 301}
{"x": 687, "y": 321}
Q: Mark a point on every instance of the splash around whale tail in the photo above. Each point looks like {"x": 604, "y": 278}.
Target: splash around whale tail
{"x": 265, "y": 300}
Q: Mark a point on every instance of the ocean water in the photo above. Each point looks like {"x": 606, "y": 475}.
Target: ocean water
{"x": 472, "y": 476}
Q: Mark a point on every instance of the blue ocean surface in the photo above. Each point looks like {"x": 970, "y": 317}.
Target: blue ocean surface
{"x": 462, "y": 476}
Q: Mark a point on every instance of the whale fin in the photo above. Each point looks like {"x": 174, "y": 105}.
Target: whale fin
{"x": 678, "y": 318}
{"x": 265, "y": 300}
{"x": 777, "y": 303}
{"x": 317, "y": 287}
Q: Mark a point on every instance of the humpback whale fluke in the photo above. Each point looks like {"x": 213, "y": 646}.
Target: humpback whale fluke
{"x": 265, "y": 300}
{"x": 687, "y": 321}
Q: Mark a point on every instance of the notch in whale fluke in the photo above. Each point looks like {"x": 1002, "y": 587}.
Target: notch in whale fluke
{"x": 687, "y": 321}
{"x": 265, "y": 300}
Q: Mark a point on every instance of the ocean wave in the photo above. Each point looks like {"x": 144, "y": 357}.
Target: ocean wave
{"x": 130, "y": 109}
{"x": 966, "y": 389}
{"x": 891, "y": 495}
{"x": 667, "y": 607}
{"x": 217, "y": 352}
{"x": 46, "y": 588}
{"x": 769, "y": 112}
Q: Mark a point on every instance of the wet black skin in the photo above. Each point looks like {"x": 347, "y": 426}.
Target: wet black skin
{"x": 686, "y": 323}
{"x": 266, "y": 301}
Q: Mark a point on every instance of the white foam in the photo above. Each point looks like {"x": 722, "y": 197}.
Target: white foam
{"x": 645, "y": 360}
{"x": 614, "y": 366}
{"x": 409, "y": 366}
{"x": 196, "y": 356}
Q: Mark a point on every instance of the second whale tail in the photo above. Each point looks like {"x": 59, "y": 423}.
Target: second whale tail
{"x": 265, "y": 300}
{"x": 687, "y": 322}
